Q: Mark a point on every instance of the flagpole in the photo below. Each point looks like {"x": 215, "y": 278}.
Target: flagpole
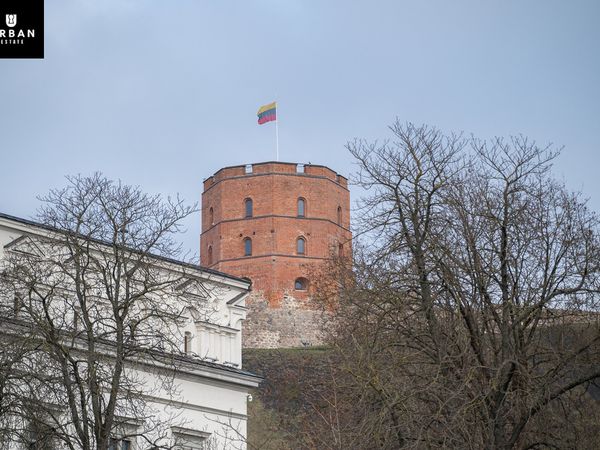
{"x": 277, "y": 129}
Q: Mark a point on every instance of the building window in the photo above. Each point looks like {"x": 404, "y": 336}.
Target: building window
{"x": 211, "y": 216}
{"x": 188, "y": 439}
{"x": 76, "y": 320}
{"x": 119, "y": 444}
{"x": 247, "y": 247}
{"x": 39, "y": 435}
{"x": 339, "y": 215}
{"x": 301, "y": 207}
{"x": 300, "y": 168}
{"x": 340, "y": 249}
{"x": 17, "y": 305}
{"x": 248, "y": 207}
{"x": 210, "y": 256}
{"x": 248, "y": 168}
{"x": 301, "y": 284}
{"x": 187, "y": 343}
{"x": 301, "y": 246}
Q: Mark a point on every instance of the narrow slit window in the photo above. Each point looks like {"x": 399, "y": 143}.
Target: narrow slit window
{"x": 76, "y": 320}
{"x": 248, "y": 207}
{"x": 301, "y": 207}
{"x": 301, "y": 246}
{"x": 17, "y": 305}
{"x": 247, "y": 247}
{"x": 187, "y": 343}
{"x": 339, "y": 215}
{"x": 210, "y": 255}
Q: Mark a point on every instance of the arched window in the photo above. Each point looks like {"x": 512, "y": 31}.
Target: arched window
{"x": 187, "y": 343}
{"x": 248, "y": 207}
{"x": 301, "y": 246}
{"x": 247, "y": 247}
{"x": 301, "y": 207}
{"x": 211, "y": 216}
{"x": 339, "y": 215}
{"x": 210, "y": 260}
{"x": 301, "y": 284}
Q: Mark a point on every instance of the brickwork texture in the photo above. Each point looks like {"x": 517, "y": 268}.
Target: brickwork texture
{"x": 289, "y": 202}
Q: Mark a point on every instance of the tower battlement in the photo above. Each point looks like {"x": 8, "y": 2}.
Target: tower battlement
{"x": 275, "y": 167}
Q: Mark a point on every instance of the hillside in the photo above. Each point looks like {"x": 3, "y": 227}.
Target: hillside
{"x": 283, "y": 409}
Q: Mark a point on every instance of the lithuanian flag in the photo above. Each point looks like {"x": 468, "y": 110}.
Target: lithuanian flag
{"x": 267, "y": 113}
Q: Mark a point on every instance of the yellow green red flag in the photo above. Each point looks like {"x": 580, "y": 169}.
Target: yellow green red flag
{"x": 267, "y": 113}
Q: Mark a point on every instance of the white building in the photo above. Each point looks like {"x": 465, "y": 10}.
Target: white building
{"x": 208, "y": 405}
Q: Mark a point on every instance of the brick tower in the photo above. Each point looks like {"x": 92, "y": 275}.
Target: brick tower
{"x": 273, "y": 222}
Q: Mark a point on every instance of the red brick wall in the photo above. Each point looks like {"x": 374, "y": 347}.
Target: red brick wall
{"x": 274, "y": 228}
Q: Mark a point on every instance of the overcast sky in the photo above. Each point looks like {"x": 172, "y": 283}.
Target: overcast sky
{"x": 161, "y": 94}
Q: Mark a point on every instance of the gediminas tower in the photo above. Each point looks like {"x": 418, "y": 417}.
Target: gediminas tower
{"x": 274, "y": 223}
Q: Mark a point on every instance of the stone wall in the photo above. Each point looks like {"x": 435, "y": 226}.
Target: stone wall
{"x": 291, "y": 324}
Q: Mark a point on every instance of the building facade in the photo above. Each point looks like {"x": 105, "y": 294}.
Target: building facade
{"x": 206, "y": 404}
{"x": 275, "y": 223}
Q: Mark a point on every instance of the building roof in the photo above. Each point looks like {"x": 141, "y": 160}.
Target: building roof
{"x": 159, "y": 257}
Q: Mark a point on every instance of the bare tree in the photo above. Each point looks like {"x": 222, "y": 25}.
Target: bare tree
{"x": 471, "y": 316}
{"x": 96, "y": 300}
